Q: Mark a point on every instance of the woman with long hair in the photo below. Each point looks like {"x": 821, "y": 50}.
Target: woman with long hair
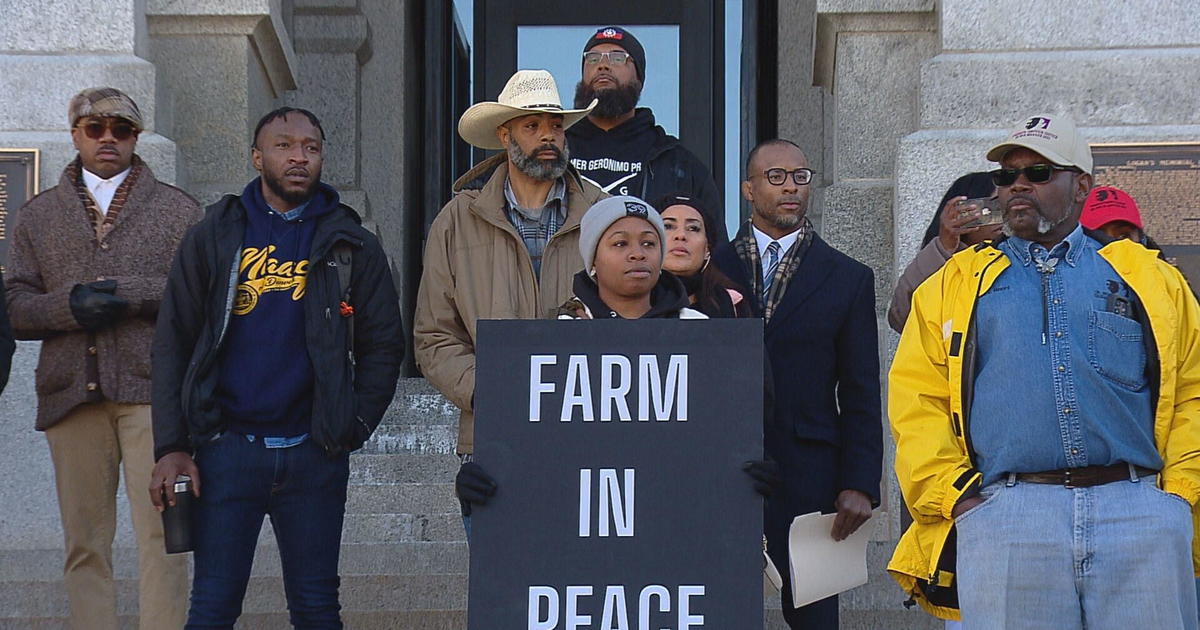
{"x": 689, "y": 244}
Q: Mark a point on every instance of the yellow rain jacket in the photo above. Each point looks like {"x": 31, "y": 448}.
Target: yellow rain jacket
{"x": 930, "y": 389}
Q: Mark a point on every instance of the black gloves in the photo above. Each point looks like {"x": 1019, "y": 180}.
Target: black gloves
{"x": 95, "y": 306}
{"x": 473, "y": 485}
{"x": 765, "y": 474}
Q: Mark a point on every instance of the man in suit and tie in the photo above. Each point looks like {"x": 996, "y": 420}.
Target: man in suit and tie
{"x": 824, "y": 429}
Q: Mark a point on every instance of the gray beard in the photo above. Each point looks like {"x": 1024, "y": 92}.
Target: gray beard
{"x": 1043, "y": 227}
{"x": 535, "y": 168}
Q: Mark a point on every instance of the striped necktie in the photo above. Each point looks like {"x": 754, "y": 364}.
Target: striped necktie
{"x": 772, "y": 264}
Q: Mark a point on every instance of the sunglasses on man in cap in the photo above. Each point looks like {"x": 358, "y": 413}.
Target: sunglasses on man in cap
{"x": 121, "y": 129}
{"x": 1036, "y": 174}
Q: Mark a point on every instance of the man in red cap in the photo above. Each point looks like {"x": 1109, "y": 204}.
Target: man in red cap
{"x": 1112, "y": 211}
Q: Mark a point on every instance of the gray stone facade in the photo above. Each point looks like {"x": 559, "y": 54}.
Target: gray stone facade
{"x": 891, "y": 100}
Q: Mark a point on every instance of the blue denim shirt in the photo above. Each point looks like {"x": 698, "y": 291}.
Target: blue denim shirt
{"x": 1060, "y": 376}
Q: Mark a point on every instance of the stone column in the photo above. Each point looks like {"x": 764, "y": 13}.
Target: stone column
{"x": 333, "y": 42}
{"x": 222, "y": 65}
{"x": 51, "y": 50}
{"x": 851, "y": 75}
{"x": 1126, "y": 72}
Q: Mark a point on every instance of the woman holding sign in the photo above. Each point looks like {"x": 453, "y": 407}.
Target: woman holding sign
{"x": 621, "y": 240}
{"x": 621, "y": 243}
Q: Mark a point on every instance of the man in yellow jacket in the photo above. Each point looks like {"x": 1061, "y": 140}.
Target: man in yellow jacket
{"x": 505, "y": 247}
{"x": 1045, "y": 402}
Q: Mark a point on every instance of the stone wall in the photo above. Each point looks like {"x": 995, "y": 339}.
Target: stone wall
{"x": 1125, "y": 72}
{"x": 49, "y": 51}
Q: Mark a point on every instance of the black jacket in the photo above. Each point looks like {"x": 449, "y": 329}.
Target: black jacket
{"x": 667, "y": 299}
{"x": 351, "y": 389}
{"x": 823, "y": 344}
{"x": 7, "y": 344}
{"x": 669, "y": 167}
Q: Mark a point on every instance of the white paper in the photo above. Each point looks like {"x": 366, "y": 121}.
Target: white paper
{"x": 821, "y": 566}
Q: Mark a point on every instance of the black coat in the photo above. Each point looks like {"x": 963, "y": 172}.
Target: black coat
{"x": 7, "y": 344}
{"x": 350, "y": 393}
{"x": 670, "y": 168}
{"x": 826, "y": 427}
{"x": 823, "y": 338}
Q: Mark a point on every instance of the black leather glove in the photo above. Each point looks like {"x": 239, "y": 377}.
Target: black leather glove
{"x": 473, "y": 486}
{"x": 95, "y": 306}
{"x": 765, "y": 474}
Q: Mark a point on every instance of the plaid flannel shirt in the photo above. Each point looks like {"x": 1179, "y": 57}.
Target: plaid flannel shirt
{"x": 536, "y": 227}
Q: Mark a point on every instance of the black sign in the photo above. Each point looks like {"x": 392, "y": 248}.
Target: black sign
{"x": 18, "y": 184}
{"x": 617, "y": 447}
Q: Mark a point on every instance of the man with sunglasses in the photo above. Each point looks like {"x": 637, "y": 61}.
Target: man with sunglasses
{"x": 824, "y": 429}
{"x": 1045, "y": 400}
{"x": 618, "y": 146}
{"x": 86, "y": 273}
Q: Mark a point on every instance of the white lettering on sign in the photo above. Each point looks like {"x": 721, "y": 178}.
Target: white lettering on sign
{"x": 615, "y": 506}
{"x": 575, "y": 621}
{"x": 614, "y": 613}
{"x": 673, "y": 392}
{"x": 536, "y": 620}
{"x": 536, "y": 386}
{"x": 615, "y": 610}
{"x": 661, "y": 396}
{"x": 577, "y": 394}
{"x": 613, "y": 392}
{"x": 686, "y": 618}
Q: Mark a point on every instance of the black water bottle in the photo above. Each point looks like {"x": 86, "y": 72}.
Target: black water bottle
{"x": 177, "y": 519}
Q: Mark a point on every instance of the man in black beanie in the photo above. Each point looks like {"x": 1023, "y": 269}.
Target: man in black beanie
{"x": 618, "y": 146}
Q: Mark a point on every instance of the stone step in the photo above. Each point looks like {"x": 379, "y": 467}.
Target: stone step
{"x": 402, "y": 498}
{"x": 359, "y": 620}
{"x": 417, "y": 438}
{"x": 377, "y": 468}
{"x": 418, "y": 401}
{"x": 403, "y": 528}
{"x": 357, "y": 559}
{"x": 457, "y": 620}
{"x": 359, "y": 593}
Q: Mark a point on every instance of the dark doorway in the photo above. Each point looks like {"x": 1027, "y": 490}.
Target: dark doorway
{"x": 447, "y": 79}
{"x": 695, "y": 26}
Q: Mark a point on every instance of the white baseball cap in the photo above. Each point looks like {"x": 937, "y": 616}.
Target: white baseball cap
{"x": 1054, "y": 137}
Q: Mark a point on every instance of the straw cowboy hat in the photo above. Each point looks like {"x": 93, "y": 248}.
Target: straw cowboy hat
{"x": 527, "y": 92}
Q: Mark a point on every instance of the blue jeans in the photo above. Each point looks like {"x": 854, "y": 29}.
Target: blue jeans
{"x": 304, "y": 492}
{"x": 1040, "y": 556}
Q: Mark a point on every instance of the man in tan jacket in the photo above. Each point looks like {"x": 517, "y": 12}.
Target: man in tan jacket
{"x": 506, "y": 250}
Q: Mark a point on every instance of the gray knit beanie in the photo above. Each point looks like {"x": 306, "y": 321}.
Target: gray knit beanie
{"x": 607, "y": 212}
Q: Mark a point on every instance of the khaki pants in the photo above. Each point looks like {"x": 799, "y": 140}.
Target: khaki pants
{"x": 87, "y": 447}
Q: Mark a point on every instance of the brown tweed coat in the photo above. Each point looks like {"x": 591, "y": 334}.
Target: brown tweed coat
{"x": 53, "y": 247}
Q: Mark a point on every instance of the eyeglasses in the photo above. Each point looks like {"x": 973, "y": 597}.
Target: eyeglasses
{"x": 1036, "y": 174}
{"x": 121, "y": 129}
{"x": 615, "y": 57}
{"x": 776, "y": 176}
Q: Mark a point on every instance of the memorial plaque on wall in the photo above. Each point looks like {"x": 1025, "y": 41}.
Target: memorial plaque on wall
{"x": 1164, "y": 179}
{"x": 617, "y": 449}
{"x": 18, "y": 184}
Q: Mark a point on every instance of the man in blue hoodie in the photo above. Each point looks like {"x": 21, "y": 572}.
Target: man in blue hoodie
{"x": 268, "y": 372}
